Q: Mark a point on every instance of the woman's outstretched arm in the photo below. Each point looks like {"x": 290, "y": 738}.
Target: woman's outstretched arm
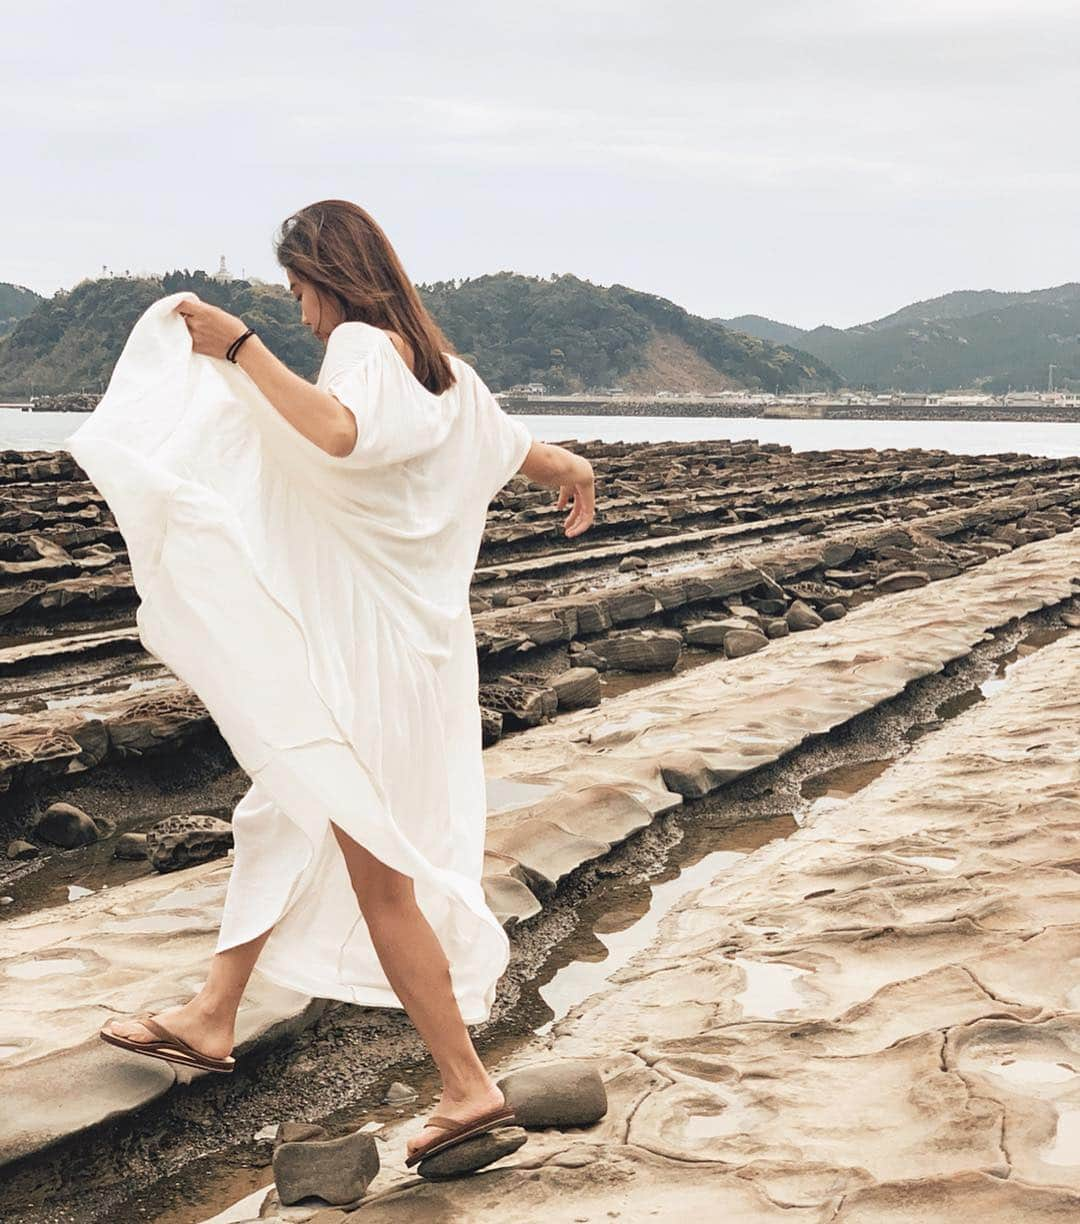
{"x": 557, "y": 468}
{"x": 317, "y": 415}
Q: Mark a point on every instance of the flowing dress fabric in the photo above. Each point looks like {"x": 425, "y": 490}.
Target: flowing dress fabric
{"x": 319, "y": 607}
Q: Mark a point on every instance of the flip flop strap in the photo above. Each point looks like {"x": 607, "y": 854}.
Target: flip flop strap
{"x": 159, "y": 1030}
{"x": 441, "y": 1122}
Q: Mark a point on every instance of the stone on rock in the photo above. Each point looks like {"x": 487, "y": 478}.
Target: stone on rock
{"x": 632, "y": 562}
{"x": 335, "y": 1170}
{"x": 398, "y": 1092}
{"x": 179, "y": 841}
{"x": 801, "y": 616}
{"x": 589, "y": 658}
{"x": 641, "y": 650}
{"x": 833, "y": 612}
{"x": 740, "y": 642}
{"x": 19, "y": 849}
{"x": 902, "y": 580}
{"x": 711, "y": 632}
{"x": 577, "y": 688}
{"x": 130, "y": 846}
{"x": 65, "y": 825}
{"x": 472, "y": 1154}
{"x": 777, "y": 628}
{"x": 299, "y": 1132}
{"x": 1071, "y": 620}
{"x": 569, "y": 1093}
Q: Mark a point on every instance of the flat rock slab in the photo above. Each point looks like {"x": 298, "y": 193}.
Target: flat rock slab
{"x": 873, "y": 1021}
{"x": 561, "y": 795}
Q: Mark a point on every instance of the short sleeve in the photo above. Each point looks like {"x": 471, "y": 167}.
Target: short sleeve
{"x": 504, "y": 441}
{"x": 396, "y": 418}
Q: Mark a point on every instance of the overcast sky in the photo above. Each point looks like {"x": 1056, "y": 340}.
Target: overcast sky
{"x": 810, "y": 160}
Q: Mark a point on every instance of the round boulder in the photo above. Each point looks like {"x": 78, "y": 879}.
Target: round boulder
{"x": 556, "y": 1094}
{"x": 472, "y": 1154}
{"x": 65, "y": 825}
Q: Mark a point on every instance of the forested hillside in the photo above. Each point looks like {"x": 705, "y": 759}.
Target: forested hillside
{"x": 971, "y": 338}
{"x": 562, "y": 331}
{"x": 16, "y": 302}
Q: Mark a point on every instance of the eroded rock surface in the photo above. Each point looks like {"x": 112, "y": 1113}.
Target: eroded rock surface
{"x": 874, "y": 1021}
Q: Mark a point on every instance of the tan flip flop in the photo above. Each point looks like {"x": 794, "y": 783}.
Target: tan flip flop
{"x": 457, "y": 1131}
{"x": 167, "y": 1046}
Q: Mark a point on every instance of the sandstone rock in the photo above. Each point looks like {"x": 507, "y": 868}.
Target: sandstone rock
{"x": 299, "y": 1132}
{"x": 398, "y": 1092}
{"x": 777, "y": 628}
{"x": 473, "y": 1154}
{"x": 179, "y": 841}
{"x": 901, "y": 580}
{"x": 1071, "y": 620}
{"x": 335, "y": 1170}
{"x": 641, "y": 650}
{"x": 19, "y": 849}
{"x": 577, "y": 688}
{"x": 556, "y": 1094}
{"x": 832, "y": 612}
{"x": 801, "y": 616}
{"x": 589, "y": 658}
{"x": 740, "y": 642}
{"x": 710, "y": 632}
{"x": 65, "y": 825}
{"x": 849, "y": 578}
{"x": 632, "y": 563}
{"x": 517, "y": 601}
{"x": 130, "y": 846}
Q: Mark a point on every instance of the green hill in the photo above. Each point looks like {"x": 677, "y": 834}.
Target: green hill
{"x": 562, "y": 331}
{"x": 71, "y": 341}
{"x": 971, "y": 338}
{"x": 16, "y": 302}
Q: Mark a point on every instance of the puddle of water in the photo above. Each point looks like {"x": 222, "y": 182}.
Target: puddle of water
{"x": 6, "y": 1051}
{"x": 1065, "y": 1147}
{"x": 1024, "y": 1071}
{"x": 31, "y": 970}
{"x": 771, "y": 988}
{"x": 620, "y": 916}
{"x": 581, "y": 978}
{"x": 504, "y": 794}
{"x": 844, "y": 780}
{"x": 615, "y": 683}
{"x": 75, "y": 891}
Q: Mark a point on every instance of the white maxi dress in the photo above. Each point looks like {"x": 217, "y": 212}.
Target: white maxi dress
{"x": 319, "y": 607}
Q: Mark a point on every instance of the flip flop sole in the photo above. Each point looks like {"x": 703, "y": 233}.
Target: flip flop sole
{"x": 158, "y": 1049}
{"x": 480, "y": 1127}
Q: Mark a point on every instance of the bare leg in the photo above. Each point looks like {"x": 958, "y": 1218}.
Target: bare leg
{"x": 416, "y": 967}
{"x": 208, "y": 1021}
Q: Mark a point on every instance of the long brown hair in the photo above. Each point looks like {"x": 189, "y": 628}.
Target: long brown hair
{"x": 340, "y": 249}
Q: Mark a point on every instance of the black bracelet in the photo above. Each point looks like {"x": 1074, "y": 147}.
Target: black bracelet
{"x": 234, "y": 348}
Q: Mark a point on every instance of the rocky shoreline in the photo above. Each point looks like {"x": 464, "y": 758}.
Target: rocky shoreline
{"x": 734, "y": 601}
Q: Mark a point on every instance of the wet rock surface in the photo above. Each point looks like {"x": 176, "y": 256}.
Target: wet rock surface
{"x": 872, "y": 1020}
{"x": 586, "y": 752}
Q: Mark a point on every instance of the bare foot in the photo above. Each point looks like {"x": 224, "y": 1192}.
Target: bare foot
{"x": 204, "y": 1031}
{"x": 461, "y": 1108}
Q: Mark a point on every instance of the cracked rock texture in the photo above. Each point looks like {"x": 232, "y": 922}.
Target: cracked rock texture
{"x": 874, "y": 1021}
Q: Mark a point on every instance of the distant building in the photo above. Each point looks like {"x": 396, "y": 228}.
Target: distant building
{"x": 223, "y": 273}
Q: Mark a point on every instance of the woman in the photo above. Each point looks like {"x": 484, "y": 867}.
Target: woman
{"x": 303, "y": 556}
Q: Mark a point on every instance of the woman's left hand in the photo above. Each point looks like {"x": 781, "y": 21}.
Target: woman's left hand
{"x": 212, "y": 329}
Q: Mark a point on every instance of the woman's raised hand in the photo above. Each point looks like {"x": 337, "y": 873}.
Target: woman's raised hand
{"x": 212, "y": 329}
